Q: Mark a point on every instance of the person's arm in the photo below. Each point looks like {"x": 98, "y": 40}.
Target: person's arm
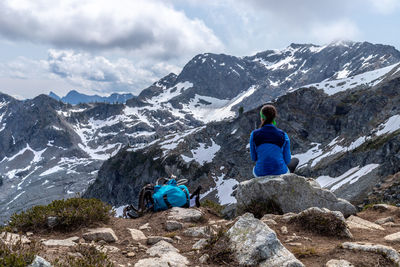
{"x": 253, "y": 153}
{"x": 286, "y": 150}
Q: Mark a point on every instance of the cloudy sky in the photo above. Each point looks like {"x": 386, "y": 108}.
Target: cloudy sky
{"x": 103, "y": 46}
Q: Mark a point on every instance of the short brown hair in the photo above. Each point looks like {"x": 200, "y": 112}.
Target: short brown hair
{"x": 269, "y": 112}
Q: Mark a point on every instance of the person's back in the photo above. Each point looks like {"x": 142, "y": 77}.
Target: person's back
{"x": 270, "y": 149}
{"x": 270, "y": 146}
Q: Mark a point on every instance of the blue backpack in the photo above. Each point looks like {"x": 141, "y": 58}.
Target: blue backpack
{"x": 170, "y": 195}
{"x": 162, "y": 197}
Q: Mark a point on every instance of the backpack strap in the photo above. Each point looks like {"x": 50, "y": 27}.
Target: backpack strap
{"x": 187, "y": 205}
{"x": 167, "y": 202}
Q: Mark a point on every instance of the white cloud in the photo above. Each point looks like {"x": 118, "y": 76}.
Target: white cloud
{"x": 145, "y": 27}
{"x": 339, "y": 30}
{"x": 81, "y": 71}
{"x": 385, "y": 6}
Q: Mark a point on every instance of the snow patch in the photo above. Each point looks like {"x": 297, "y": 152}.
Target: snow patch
{"x": 390, "y": 126}
{"x": 351, "y": 176}
{"x": 370, "y": 78}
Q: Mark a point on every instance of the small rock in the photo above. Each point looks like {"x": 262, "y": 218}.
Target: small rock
{"x": 186, "y": 215}
{"x": 151, "y": 240}
{"x": 137, "y": 235}
{"x": 200, "y": 244}
{"x": 106, "y": 234}
{"x": 177, "y": 237}
{"x": 81, "y": 240}
{"x": 339, "y": 263}
{"x": 355, "y": 222}
{"x": 39, "y": 262}
{"x": 384, "y": 207}
{"x": 60, "y": 242}
{"x": 28, "y": 234}
{"x": 51, "y": 222}
{"x": 284, "y": 230}
{"x": 204, "y": 231}
{"x": 173, "y": 225}
{"x": 145, "y": 226}
{"x": 203, "y": 259}
{"x": 384, "y": 220}
{"x": 131, "y": 254}
{"x": 393, "y": 237}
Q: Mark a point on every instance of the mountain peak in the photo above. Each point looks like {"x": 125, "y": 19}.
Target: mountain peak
{"x": 54, "y": 95}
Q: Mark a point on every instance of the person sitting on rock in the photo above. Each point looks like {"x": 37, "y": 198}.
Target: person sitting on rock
{"x": 270, "y": 146}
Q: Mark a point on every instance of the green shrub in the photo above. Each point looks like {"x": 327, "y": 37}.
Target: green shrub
{"x": 304, "y": 252}
{"x": 217, "y": 208}
{"x": 91, "y": 257}
{"x": 71, "y": 214}
{"x": 219, "y": 250}
{"x": 17, "y": 255}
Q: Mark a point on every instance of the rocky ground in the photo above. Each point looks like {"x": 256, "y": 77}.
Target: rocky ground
{"x": 177, "y": 238}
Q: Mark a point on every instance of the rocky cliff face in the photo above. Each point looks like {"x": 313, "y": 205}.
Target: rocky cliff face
{"x": 55, "y": 148}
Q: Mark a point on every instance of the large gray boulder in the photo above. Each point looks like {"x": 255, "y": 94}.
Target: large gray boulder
{"x": 255, "y": 244}
{"x": 291, "y": 193}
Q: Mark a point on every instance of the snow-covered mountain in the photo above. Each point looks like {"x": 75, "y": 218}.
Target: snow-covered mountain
{"x": 346, "y": 134}
{"x": 74, "y": 97}
{"x": 51, "y": 150}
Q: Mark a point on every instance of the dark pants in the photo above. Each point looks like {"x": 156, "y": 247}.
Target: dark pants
{"x": 293, "y": 164}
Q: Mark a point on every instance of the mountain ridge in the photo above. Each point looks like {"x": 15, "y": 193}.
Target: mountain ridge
{"x": 61, "y": 153}
{"x": 74, "y": 97}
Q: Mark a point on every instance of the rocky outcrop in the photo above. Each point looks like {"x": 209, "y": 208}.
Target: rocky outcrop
{"x": 106, "y": 234}
{"x": 323, "y": 221}
{"x": 254, "y": 243}
{"x": 290, "y": 193}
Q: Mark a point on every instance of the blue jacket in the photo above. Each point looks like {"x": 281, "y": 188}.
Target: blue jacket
{"x": 270, "y": 148}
